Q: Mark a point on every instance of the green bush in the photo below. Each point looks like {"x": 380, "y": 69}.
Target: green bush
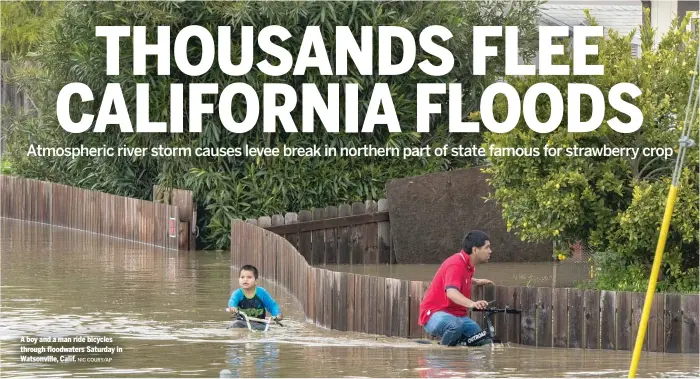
{"x": 22, "y": 24}
{"x": 615, "y": 205}
{"x": 248, "y": 188}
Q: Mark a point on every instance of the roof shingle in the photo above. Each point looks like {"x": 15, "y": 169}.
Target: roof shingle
{"x": 622, "y": 16}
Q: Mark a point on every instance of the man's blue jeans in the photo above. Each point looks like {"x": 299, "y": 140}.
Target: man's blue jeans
{"x": 451, "y": 328}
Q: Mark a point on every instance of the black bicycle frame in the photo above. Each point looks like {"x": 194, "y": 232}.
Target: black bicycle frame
{"x": 490, "y": 329}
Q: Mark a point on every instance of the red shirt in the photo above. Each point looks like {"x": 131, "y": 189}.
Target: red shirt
{"x": 456, "y": 271}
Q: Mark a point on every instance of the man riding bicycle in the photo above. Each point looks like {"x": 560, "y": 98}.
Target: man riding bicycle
{"x": 443, "y": 311}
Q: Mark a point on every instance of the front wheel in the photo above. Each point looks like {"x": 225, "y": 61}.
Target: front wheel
{"x": 482, "y": 342}
{"x": 237, "y": 324}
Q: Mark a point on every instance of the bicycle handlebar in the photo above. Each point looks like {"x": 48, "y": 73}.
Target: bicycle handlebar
{"x": 498, "y": 310}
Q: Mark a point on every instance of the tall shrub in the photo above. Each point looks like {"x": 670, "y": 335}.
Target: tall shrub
{"x": 614, "y": 204}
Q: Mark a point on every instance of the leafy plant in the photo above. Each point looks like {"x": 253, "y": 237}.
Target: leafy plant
{"x": 614, "y": 204}
{"x": 249, "y": 187}
{"x": 23, "y": 23}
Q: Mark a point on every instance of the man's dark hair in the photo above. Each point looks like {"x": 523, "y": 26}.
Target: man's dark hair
{"x": 474, "y": 238}
{"x": 249, "y": 268}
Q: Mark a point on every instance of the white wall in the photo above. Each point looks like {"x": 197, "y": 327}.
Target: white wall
{"x": 662, "y": 13}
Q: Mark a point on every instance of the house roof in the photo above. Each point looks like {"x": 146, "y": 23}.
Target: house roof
{"x": 622, "y": 16}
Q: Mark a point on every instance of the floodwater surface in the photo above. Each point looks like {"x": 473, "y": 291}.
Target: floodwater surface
{"x": 162, "y": 313}
{"x": 533, "y": 274}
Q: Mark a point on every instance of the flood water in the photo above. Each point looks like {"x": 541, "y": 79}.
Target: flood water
{"x": 534, "y": 274}
{"x": 164, "y": 310}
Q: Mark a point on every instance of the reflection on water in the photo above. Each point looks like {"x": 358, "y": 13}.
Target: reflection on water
{"x": 165, "y": 310}
{"x": 534, "y": 274}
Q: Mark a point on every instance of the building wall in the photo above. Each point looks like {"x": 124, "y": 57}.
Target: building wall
{"x": 663, "y": 12}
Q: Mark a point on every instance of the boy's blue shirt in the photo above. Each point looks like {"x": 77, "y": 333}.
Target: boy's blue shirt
{"x": 267, "y": 302}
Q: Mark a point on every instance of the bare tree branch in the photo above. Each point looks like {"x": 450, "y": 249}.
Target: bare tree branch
{"x": 648, "y": 164}
{"x": 651, "y": 174}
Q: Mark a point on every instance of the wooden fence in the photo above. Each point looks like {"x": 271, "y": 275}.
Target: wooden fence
{"x": 92, "y": 211}
{"x": 357, "y": 233}
{"x": 551, "y": 317}
{"x": 184, "y": 200}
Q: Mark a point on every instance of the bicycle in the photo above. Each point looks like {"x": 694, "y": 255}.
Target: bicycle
{"x": 488, "y": 334}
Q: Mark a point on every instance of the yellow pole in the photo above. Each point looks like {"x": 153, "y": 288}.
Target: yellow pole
{"x": 685, "y": 142}
{"x": 652, "y": 281}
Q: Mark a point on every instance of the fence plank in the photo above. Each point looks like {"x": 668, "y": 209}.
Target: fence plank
{"x": 591, "y": 301}
{"x": 383, "y": 234}
{"x": 30, "y": 205}
{"x": 98, "y": 205}
{"x": 359, "y": 303}
{"x": 426, "y": 285}
{"x": 300, "y": 280}
{"x": 656, "y": 323}
{"x": 528, "y": 301}
{"x": 328, "y": 298}
{"x": 267, "y": 260}
{"x": 350, "y": 318}
{"x": 305, "y": 281}
{"x": 343, "y": 302}
{"x": 278, "y": 219}
{"x": 672, "y": 324}
{"x": 318, "y": 242}
{"x": 389, "y": 307}
{"x": 304, "y": 246}
{"x": 293, "y": 238}
{"x": 404, "y": 306}
{"x": 515, "y": 321}
{"x": 637, "y": 304}
{"x": 288, "y": 273}
{"x": 499, "y": 319}
{"x": 607, "y": 320}
{"x": 356, "y": 236}
{"x": 73, "y": 212}
{"x": 372, "y": 306}
{"x": 336, "y": 299}
{"x": 4, "y": 196}
{"x": 108, "y": 216}
{"x": 311, "y": 288}
{"x": 366, "y": 294}
{"x": 560, "y": 315}
{"x": 395, "y": 287}
{"x": 132, "y": 225}
{"x": 344, "y": 240}
{"x": 543, "y": 325}
{"x": 271, "y": 256}
{"x": 371, "y": 255}
{"x": 56, "y": 207}
{"x": 489, "y": 294}
{"x": 330, "y": 238}
{"x": 576, "y": 314}
{"x": 477, "y": 294}
{"x": 416, "y": 294}
{"x": 149, "y": 226}
{"x": 689, "y": 307}
{"x": 68, "y": 211}
{"x": 624, "y": 321}
{"x": 381, "y": 308}
{"x": 320, "y": 295}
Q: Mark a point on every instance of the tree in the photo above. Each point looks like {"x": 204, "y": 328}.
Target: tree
{"x": 23, "y": 23}
{"x": 614, "y": 204}
{"x": 239, "y": 187}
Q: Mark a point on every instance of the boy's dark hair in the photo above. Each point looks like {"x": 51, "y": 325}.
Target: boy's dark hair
{"x": 249, "y": 268}
{"x": 474, "y": 238}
